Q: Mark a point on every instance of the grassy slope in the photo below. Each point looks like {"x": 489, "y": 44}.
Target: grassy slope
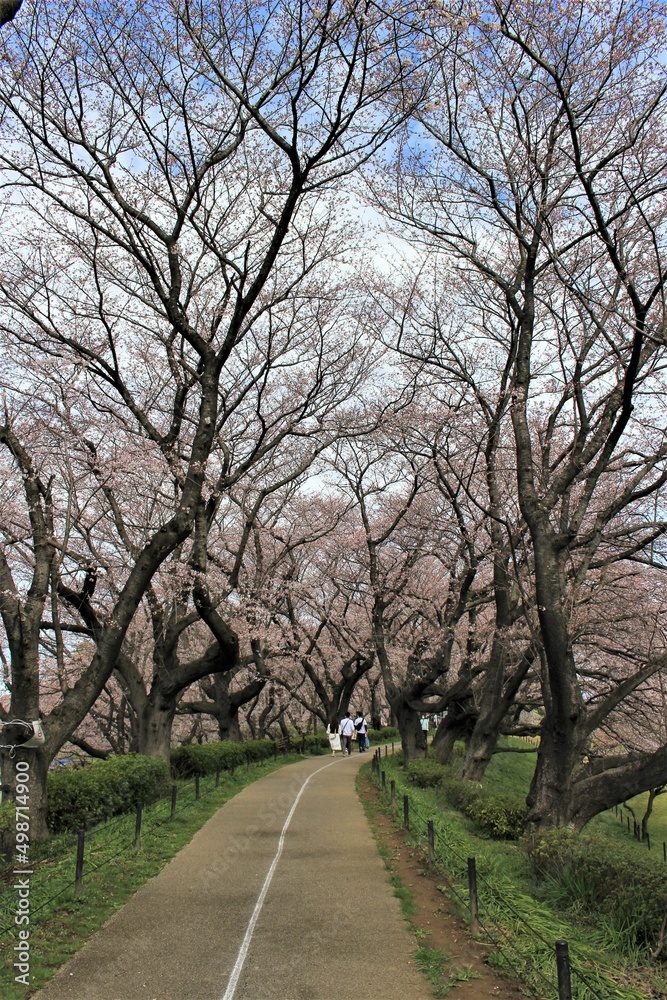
{"x": 512, "y": 772}
{"x": 504, "y": 865}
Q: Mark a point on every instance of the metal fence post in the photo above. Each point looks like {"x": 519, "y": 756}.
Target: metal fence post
{"x": 431, "y": 842}
{"x": 472, "y": 889}
{"x": 174, "y": 793}
{"x": 137, "y": 825}
{"x": 392, "y": 748}
{"x": 80, "y": 842}
{"x": 406, "y": 812}
{"x": 563, "y": 968}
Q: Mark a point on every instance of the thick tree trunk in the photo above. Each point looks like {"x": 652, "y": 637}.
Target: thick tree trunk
{"x": 483, "y": 742}
{"x": 564, "y": 736}
{"x": 228, "y": 725}
{"x": 412, "y": 736}
{"x": 28, "y": 769}
{"x": 456, "y": 726}
{"x": 155, "y": 724}
{"x": 496, "y": 701}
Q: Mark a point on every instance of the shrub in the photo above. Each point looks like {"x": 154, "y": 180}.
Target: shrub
{"x": 425, "y": 773}
{"x": 207, "y": 758}
{"x": 383, "y": 735}
{"x": 624, "y": 891}
{"x": 502, "y": 817}
{"x": 315, "y": 745}
{"x": 79, "y": 798}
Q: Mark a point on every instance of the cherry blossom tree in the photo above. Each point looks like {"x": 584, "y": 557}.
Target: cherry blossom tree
{"x": 171, "y": 172}
{"x": 539, "y": 177}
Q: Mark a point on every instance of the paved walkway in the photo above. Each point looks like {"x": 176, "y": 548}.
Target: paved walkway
{"x": 250, "y": 910}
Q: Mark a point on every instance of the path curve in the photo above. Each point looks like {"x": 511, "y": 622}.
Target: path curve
{"x": 328, "y": 923}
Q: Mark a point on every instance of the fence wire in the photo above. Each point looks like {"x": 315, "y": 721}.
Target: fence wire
{"x": 499, "y": 937}
{"x": 46, "y": 870}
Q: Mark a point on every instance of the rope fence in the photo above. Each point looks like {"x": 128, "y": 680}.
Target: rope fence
{"x": 82, "y": 853}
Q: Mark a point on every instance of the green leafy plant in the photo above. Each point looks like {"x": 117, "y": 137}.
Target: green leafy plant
{"x": 501, "y": 816}
{"x": 80, "y": 798}
{"x": 425, "y": 773}
{"x": 225, "y": 755}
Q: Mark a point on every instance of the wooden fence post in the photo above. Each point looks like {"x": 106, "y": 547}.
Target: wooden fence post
{"x": 137, "y": 825}
{"x": 472, "y": 889}
{"x": 563, "y": 968}
{"x": 80, "y": 842}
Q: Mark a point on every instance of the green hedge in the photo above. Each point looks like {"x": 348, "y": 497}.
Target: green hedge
{"x": 383, "y": 735}
{"x": 83, "y": 797}
{"x": 207, "y": 758}
{"x": 315, "y": 745}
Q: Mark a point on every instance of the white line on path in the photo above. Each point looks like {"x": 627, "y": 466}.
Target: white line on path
{"x": 245, "y": 944}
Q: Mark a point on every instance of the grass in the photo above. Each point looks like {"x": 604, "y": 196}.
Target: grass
{"x": 60, "y": 921}
{"x": 511, "y": 773}
{"x": 516, "y": 915}
{"x": 403, "y": 895}
{"x": 433, "y": 962}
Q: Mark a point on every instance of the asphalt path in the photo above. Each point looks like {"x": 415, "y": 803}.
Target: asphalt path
{"x": 280, "y": 896}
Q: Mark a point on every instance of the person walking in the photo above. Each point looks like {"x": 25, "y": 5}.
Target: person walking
{"x": 424, "y": 728}
{"x": 334, "y": 737}
{"x": 361, "y": 728}
{"x": 346, "y": 729}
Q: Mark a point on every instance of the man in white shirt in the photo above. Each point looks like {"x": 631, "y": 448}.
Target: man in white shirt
{"x": 360, "y": 726}
{"x": 346, "y": 729}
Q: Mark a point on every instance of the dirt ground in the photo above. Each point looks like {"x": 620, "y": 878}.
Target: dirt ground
{"x": 433, "y": 916}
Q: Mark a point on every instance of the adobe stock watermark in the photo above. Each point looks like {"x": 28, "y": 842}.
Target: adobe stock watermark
{"x": 22, "y": 873}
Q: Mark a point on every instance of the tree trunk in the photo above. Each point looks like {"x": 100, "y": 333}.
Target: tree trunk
{"x": 551, "y": 799}
{"x": 483, "y": 741}
{"x": 155, "y": 724}
{"x": 32, "y": 805}
{"x": 228, "y": 725}
{"x": 652, "y": 795}
{"x": 412, "y": 735}
{"x": 456, "y": 725}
